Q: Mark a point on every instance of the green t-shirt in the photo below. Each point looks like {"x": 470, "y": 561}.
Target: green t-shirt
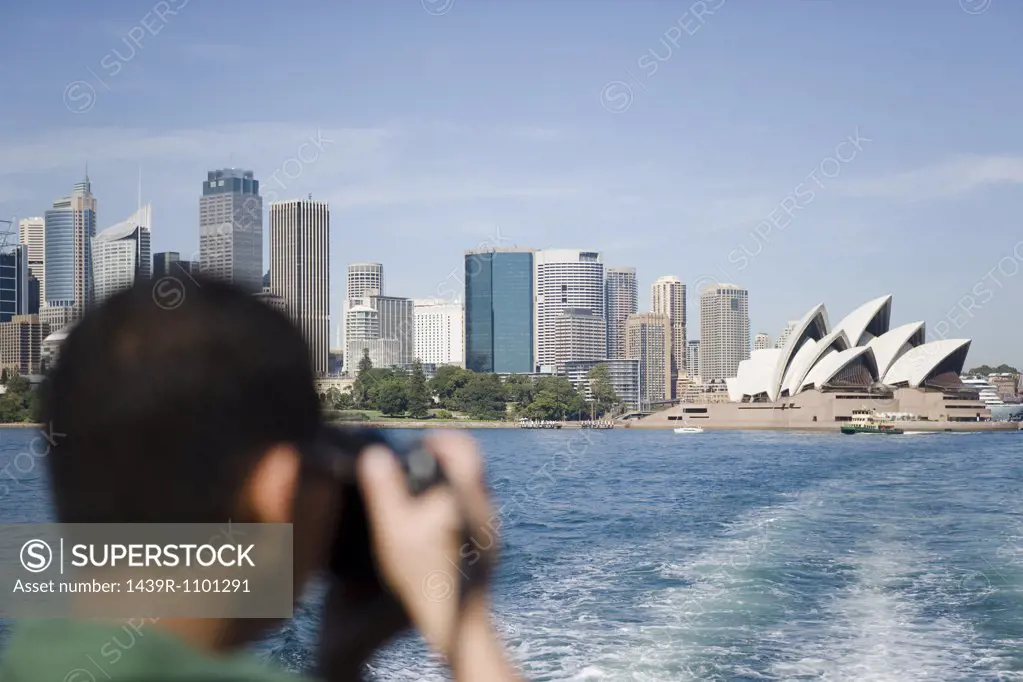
{"x": 81, "y": 651}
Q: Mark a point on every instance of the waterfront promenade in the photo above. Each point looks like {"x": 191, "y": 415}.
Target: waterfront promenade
{"x": 640, "y": 425}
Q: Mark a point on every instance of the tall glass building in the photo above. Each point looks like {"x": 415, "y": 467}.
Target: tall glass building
{"x": 14, "y": 283}
{"x": 621, "y": 292}
{"x": 69, "y": 228}
{"x": 231, "y": 228}
{"x": 499, "y": 311}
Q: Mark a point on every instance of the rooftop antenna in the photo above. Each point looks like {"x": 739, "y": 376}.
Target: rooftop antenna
{"x": 140, "y": 187}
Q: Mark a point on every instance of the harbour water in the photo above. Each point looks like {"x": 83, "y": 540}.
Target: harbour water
{"x": 730, "y": 556}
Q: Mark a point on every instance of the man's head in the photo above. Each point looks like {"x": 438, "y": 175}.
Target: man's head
{"x": 193, "y": 414}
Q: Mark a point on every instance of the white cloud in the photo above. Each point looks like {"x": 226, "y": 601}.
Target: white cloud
{"x": 945, "y": 180}
{"x": 352, "y": 168}
{"x": 251, "y": 143}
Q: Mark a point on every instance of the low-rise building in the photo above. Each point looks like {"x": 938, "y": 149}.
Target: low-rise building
{"x": 1006, "y": 384}
{"x": 21, "y": 342}
{"x": 625, "y": 378}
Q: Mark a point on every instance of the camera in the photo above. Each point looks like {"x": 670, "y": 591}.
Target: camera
{"x": 336, "y": 450}
{"x": 351, "y": 560}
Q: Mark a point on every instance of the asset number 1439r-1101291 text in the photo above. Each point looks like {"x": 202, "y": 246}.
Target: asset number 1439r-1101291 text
{"x": 195, "y": 585}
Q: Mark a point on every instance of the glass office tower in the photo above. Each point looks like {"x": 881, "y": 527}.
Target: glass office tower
{"x": 499, "y": 311}
{"x": 15, "y": 290}
{"x": 231, "y": 228}
{"x": 67, "y": 234}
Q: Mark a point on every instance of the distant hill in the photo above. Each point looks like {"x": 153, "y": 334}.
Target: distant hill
{"x": 985, "y": 370}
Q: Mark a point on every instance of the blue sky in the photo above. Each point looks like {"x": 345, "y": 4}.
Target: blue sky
{"x": 708, "y": 140}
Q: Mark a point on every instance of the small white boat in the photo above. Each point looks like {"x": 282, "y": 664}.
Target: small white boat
{"x": 689, "y": 429}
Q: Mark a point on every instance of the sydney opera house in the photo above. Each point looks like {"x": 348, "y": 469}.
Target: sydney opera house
{"x": 824, "y": 372}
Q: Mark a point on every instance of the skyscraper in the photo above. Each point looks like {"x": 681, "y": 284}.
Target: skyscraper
{"x": 169, "y": 264}
{"x": 300, "y": 270}
{"x": 724, "y": 330}
{"x": 581, "y": 335}
{"x": 362, "y": 325}
{"x": 621, "y": 292}
{"x": 14, "y": 282}
{"x": 565, "y": 278}
{"x": 69, "y": 228}
{"x": 440, "y": 332}
{"x": 231, "y": 228}
{"x": 761, "y": 341}
{"x": 693, "y": 358}
{"x": 499, "y": 310}
{"x": 648, "y": 339}
{"x": 364, "y": 279}
{"x": 397, "y": 323}
{"x": 384, "y": 325}
{"x": 21, "y": 341}
{"x": 668, "y": 297}
{"x": 32, "y": 233}
{"x": 121, "y": 254}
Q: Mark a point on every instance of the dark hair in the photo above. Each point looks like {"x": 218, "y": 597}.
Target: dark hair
{"x": 168, "y": 394}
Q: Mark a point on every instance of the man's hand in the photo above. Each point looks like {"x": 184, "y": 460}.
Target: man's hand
{"x": 417, "y": 539}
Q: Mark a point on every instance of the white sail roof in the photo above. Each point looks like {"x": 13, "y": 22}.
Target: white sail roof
{"x": 889, "y": 347}
{"x": 917, "y": 364}
{"x": 814, "y": 354}
{"x": 855, "y": 324}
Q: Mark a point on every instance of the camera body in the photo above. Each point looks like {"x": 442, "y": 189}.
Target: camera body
{"x": 351, "y": 557}
{"x": 351, "y": 554}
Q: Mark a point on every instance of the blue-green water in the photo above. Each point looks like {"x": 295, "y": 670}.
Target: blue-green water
{"x": 732, "y": 556}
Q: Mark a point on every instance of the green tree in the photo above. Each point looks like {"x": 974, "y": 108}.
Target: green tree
{"x": 601, "y": 388}
{"x": 360, "y": 389}
{"x": 329, "y": 398}
{"x": 375, "y": 379}
{"x": 447, "y": 381}
{"x": 19, "y": 402}
{"x": 32, "y": 406}
{"x": 3, "y": 376}
{"x": 12, "y": 409}
{"x": 418, "y": 395}
{"x": 555, "y": 398}
{"x": 518, "y": 389}
{"x": 18, "y": 384}
{"x": 344, "y": 401}
{"x": 985, "y": 370}
{"x": 391, "y": 396}
{"x": 481, "y": 398}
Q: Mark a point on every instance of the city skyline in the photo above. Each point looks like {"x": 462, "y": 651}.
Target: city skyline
{"x": 29, "y": 231}
{"x": 493, "y": 156}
